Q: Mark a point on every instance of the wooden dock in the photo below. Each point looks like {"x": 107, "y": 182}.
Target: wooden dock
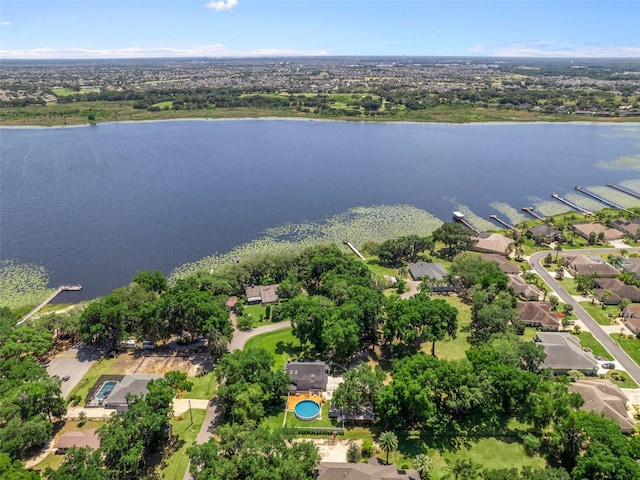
{"x": 530, "y": 211}
{"x": 570, "y": 204}
{"x": 601, "y": 200}
{"x": 58, "y": 291}
{"x": 355, "y": 250}
{"x": 503, "y": 223}
{"x": 624, "y": 190}
{"x": 459, "y": 217}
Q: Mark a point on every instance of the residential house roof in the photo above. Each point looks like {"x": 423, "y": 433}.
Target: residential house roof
{"x": 130, "y": 384}
{"x": 503, "y": 263}
{"x": 79, "y": 438}
{"x": 630, "y": 227}
{"x": 606, "y": 398}
{"x": 585, "y": 230}
{"x": 547, "y": 231}
{"x": 631, "y": 311}
{"x": 262, "y": 293}
{"x": 363, "y": 471}
{"x": 564, "y": 353}
{"x": 522, "y": 288}
{"x": 538, "y": 314}
{"x": 308, "y": 375}
{"x": 633, "y": 324}
{"x": 631, "y": 265}
{"x": 618, "y": 290}
{"x": 419, "y": 270}
{"x": 589, "y": 265}
{"x": 492, "y": 243}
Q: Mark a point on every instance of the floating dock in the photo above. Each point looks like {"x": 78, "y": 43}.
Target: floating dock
{"x": 530, "y": 211}
{"x": 459, "y": 217}
{"x": 58, "y": 291}
{"x": 624, "y": 190}
{"x": 570, "y": 204}
{"x": 355, "y": 250}
{"x": 503, "y": 223}
{"x": 600, "y": 199}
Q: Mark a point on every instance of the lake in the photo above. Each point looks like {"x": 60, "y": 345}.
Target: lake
{"x": 93, "y": 205}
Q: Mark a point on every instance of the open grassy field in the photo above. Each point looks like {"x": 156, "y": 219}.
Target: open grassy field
{"x": 454, "y": 349}
{"x": 281, "y": 343}
{"x": 176, "y": 464}
{"x": 204, "y": 387}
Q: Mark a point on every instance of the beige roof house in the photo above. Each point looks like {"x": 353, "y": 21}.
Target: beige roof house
{"x": 617, "y": 290}
{"x": 633, "y": 324}
{"x": 262, "y": 294}
{"x": 585, "y": 229}
{"x": 606, "y": 398}
{"x": 363, "y": 471}
{"x": 564, "y": 353}
{"x": 78, "y": 438}
{"x": 538, "y": 315}
{"x": 492, "y": 243}
{"x": 523, "y": 289}
{"x": 503, "y": 263}
{"x": 628, "y": 227}
{"x": 589, "y": 265}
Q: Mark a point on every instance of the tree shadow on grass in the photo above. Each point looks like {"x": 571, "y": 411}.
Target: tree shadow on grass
{"x": 292, "y": 350}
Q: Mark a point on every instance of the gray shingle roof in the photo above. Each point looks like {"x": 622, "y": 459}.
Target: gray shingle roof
{"x": 419, "y": 270}
{"x": 564, "y": 353}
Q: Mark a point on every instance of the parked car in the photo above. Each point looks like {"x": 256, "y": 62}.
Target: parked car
{"x": 147, "y": 345}
{"x": 65, "y": 378}
{"x": 609, "y": 366}
{"x": 128, "y": 344}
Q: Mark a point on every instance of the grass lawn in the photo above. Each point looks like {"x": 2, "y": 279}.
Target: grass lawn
{"x": 629, "y": 345}
{"x": 105, "y": 366}
{"x": 281, "y": 343}
{"x": 324, "y": 421}
{"x": 176, "y": 464}
{"x": 589, "y": 341}
{"x": 604, "y": 316}
{"x": 167, "y": 104}
{"x": 569, "y": 284}
{"x": 454, "y": 349}
{"x": 204, "y": 387}
{"x": 626, "y": 382}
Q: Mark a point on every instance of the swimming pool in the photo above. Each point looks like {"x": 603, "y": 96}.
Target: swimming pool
{"x": 105, "y": 390}
{"x": 307, "y": 410}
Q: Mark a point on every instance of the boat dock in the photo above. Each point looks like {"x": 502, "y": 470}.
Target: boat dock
{"x": 503, "y": 223}
{"x": 624, "y": 190}
{"x": 355, "y": 250}
{"x": 530, "y": 211}
{"x": 570, "y": 204}
{"x": 601, "y": 200}
{"x": 459, "y": 217}
{"x": 58, "y": 291}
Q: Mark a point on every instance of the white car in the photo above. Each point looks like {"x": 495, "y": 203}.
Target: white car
{"x": 128, "y": 344}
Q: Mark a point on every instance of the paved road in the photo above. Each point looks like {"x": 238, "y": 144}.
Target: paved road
{"x": 612, "y": 347}
{"x": 74, "y": 362}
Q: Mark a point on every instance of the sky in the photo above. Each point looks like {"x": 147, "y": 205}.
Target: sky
{"x": 255, "y": 28}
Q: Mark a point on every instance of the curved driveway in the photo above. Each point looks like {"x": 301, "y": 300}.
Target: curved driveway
{"x": 612, "y": 347}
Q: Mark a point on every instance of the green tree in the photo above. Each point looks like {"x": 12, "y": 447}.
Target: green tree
{"x": 456, "y": 237}
{"x": 359, "y": 391}
{"x": 424, "y": 465}
{"x": 388, "y": 442}
{"x": 354, "y": 454}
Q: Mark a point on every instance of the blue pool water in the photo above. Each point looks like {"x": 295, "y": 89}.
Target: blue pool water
{"x": 307, "y": 410}
{"x": 105, "y": 390}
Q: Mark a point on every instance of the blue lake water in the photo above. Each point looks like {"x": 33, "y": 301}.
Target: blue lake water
{"x": 96, "y": 204}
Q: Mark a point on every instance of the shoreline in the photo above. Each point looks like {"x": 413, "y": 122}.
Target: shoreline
{"x": 635, "y": 122}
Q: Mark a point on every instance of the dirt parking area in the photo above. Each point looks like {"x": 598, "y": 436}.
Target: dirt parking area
{"x": 159, "y": 363}
{"x": 334, "y": 450}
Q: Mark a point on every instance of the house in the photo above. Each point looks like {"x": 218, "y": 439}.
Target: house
{"x": 611, "y": 290}
{"x": 586, "y": 229}
{"x": 631, "y": 311}
{"x": 633, "y": 324}
{"x": 503, "y": 263}
{"x": 604, "y": 397}
{"x": 631, "y": 265}
{"x": 433, "y": 271}
{"x": 589, "y": 265}
{"x": 78, "y": 438}
{"x": 115, "y": 397}
{"x": 538, "y": 315}
{"x": 523, "y": 289}
{"x": 492, "y": 243}
{"x": 308, "y": 375}
{"x": 564, "y": 353}
{"x": 373, "y": 470}
{"x": 545, "y": 234}
{"x": 262, "y": 294}
{"x": 628, "y": 227}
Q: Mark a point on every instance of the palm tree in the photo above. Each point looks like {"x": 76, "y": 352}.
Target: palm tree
{"x": 388, "y": 441}
{"x": 424, "y": 465}
{"x": 558, "y": 249}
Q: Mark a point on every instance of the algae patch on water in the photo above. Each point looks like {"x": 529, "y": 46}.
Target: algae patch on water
{"x": 22, "y": 284}
{"x": 358, "y": 225}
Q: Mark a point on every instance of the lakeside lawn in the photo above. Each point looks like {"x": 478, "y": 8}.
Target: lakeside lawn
{"x": 629, "y": 345}
{"x": 454, "y": 349}
{"x": 281, "y": 343}
{"x": 603, "y": 316}
{"x": 176, "y": 464}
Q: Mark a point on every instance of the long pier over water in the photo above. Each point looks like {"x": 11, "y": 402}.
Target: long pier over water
{"x": 58, "y": 291}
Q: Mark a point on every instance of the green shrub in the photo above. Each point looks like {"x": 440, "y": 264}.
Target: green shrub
{"x": 367, "y": 448}
{"x": 531, "y": 444}
{"x": 354, "y": 453}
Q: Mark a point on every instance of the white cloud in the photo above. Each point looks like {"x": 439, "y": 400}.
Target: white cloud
{"x": 548, "y": 48}
{"x": 221, "y": 5}
{"x": 5, "y": 24}
{"x": 215, "y": 51}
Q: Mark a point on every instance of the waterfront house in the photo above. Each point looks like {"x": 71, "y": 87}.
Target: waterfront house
{"x": 564, "y": 353}
{"x": 433, "y": 271}
{"x": 586, "y": 229}
{"x": 492, "y": 243}
{"x": 545, "y": 234}
{"x": 628, "y": 227}
{"x": 262, "y": 294}
{"x": 538, "y": 315}
{"x": 308, "y": 375}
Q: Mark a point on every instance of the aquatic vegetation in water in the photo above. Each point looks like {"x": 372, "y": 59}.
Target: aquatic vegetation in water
{"x": 550, "y": 207}
{"x": 633, "y": 184}
{"x": 615, "y": 196}
{"x": 475, "y": 220}
{"x": 358, "y": 225}
{"x": 514, "y": 216}
{"x": 22, "y": 284}
{"x": 625, "y": 162}
{"x": 583, "y": 201}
